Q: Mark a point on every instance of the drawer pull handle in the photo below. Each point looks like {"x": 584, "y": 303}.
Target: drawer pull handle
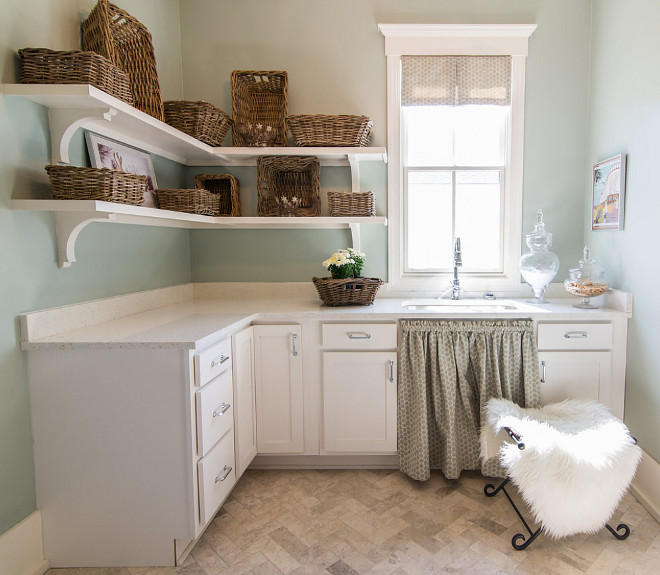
{"x": 294, "y": 351}
{"x": 391, "y": 362}
{"x": 219, "y": 360}
{"x": 227, "y": 471}
{"x": 221, "y": 410}
{"x": 575, "y": 335}
{"x": 359, "y": 335}
{"x": 543, "y": 372}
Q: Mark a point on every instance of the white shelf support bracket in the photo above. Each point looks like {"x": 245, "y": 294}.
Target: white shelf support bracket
{"x": 355, "y": 235}
{"x": 68, "y": 226}
{"x": 64, "y": 122}
{"x": 354, "y": 162}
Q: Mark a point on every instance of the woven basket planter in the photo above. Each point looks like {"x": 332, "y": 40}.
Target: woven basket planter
{"x": 122, "y": 39}
{"x": 351, "y": 204}
{"x": 225, "y": 187}
{"x": 324, "y": 130}
{"x": 43, "y": 66}
{"x": 351, "y": 291}
{"x": 259, "y": 105}
{"x": 200, "y": 120}
{"x": 288, "y": 177}
{"x": 74, "y": 183}
{"x": 191, "y": 201}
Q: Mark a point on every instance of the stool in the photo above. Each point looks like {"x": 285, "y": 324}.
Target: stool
{"x": 571, "y": 461}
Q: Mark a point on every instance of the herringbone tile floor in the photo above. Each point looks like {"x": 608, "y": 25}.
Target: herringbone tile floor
{"x": 370, "y": 522}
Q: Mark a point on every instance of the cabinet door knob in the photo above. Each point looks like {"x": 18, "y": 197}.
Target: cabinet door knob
{"x": 219, "y": 360}
{"x": 221, "y": 410}
{"x": 294, "y": 351}
{"x": 359, "y": 335}
{"x": 391, "y": 362}
{"x": 227, "y": 470}
{"x": 543, "y": 372}
{"x": 575, "y": 335}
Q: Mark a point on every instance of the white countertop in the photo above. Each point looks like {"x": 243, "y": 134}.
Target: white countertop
{"x": 194, "y": 322}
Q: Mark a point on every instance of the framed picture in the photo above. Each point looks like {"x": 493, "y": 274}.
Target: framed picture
{"x": 104, "y": 153}
{"x": 609, "y": 187}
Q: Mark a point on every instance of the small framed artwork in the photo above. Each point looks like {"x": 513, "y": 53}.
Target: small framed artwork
{"x": 104, "y": 153}
{"x": 609, "y": 187}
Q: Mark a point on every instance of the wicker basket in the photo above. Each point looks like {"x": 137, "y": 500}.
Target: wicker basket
{"x": 43, "y": 66}
{"x": 323, "y": 130}
{"x": 200, "y": 120}
{"x": 118, "y": 36}
{"x": 74, "y": 183}
{"x": 191, "y": 201}
{"x": 351, "y": 291}
{"x": 225, "y": 187}
{"x": 259, "y": 108}
{"x": 352, "y": 203}
{"x": 288, "y": 177}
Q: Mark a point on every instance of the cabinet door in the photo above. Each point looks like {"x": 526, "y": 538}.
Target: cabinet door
{"x": 359, "y": 401}
{"x": 245, "y": 422}
{"x": 279, "y": 386}
{"x": 566, "y": 374}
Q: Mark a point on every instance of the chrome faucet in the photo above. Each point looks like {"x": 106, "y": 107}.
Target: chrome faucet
{"x": 458, "y": 262}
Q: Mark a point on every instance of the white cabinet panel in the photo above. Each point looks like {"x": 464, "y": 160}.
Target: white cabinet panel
{"x": 215, "y": 412}
{"x": 216, "y": 477}
{"x": 359, "y": 336}
{"x": 245, "y": 417}
{"x": 574, "y": 336}
{"x": 212, "y": 362}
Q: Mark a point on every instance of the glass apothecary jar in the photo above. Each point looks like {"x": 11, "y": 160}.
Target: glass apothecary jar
{"x": 586, "y": 281}
{"x": 539, "y": 267}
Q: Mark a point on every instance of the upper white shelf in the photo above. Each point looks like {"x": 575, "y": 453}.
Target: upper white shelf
{"x": 74, "y": 106}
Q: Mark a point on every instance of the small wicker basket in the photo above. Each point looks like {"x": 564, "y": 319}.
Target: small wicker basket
{"x": 191, "y": 201}
{"x": 44, "y": 66}
{"x": 74, "y": 183}
{"x": 200, "y": 120}
{"x": 351, "y": 204}
{"x": 288, "y": 177}
{"x": 350, "y": 291}
{"x": 325, "y": 130}
{"x": 225, "y": 186}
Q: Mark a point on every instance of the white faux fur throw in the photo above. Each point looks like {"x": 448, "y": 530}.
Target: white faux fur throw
{"x": 578, "y": 460}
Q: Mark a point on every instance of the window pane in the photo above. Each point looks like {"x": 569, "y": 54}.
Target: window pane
{"x": 430, "y": 136}
{"x": 478, "y": 218}
{"x": 479, "y": 135}
{"x": 429, "y": 220}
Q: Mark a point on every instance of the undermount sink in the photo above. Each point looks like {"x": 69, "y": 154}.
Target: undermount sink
{"x": 467, "y": 306}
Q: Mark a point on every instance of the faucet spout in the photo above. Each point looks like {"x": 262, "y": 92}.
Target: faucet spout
{"x": 458, "y": 262}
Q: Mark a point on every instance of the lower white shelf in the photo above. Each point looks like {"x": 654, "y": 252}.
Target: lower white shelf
{"x": 73, "y": 215}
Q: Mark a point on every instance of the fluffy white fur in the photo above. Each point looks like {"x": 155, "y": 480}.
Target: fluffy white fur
{"x": 578, "y": 461}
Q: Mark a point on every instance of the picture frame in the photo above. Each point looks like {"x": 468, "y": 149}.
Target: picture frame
{"x": 106, "y": 153}
{"x": 609, "y": 188}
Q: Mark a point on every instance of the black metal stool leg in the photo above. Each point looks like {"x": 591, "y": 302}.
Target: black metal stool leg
{"x": 518, "y": 536}
{"x": 491, "y": 491}
{"x": 619, "y": 527}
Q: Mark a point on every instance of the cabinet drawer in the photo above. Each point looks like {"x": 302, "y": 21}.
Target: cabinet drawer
{"x": 576, "y": 336}
{"x": 212, "y": 362}
{"x": 216, "y": 477}
{"x": 215, "y": 413}
{"x": 359, "y": 335}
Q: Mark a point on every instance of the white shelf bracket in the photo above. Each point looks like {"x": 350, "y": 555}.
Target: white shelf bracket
{"x": 68, "y": 226}
{"x": 355, "y": 235}
{"x": 64, "y": 122}
{"x": 354, "y": 162}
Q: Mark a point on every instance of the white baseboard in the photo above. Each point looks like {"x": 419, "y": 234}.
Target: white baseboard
{"x": 21, "y": 548}
{"x": 646, "y": 485}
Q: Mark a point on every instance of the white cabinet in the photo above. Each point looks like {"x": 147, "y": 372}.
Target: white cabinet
{"x": 359, "y": 388}
{"x": 245, "y": 417}
{"x": 566, "y": 374}
{"x": 279, "y": 387}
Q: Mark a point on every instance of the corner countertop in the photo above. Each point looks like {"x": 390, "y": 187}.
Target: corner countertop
{"x": 183, "y": 320}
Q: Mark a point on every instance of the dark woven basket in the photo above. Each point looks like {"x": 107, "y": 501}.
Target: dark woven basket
{"x": 350, "y": 291}
{"x": 225, "y": 187}
{"x": 122, "y": 39}
{"x": 191, "y": 201}
{"x": 200, "y": 120}
{"x": 288, "y": 177}
{"x": 74, "y": 183}
{"x": 259, "y": 106}
{"x": 351, "y": 203}
{"x": 43, "y": 66}
{"x": 324, "y": 130}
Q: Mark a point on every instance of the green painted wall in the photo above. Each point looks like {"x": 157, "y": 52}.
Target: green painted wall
{"x": 625, "y": 118}
{"x": 112, "y": 259}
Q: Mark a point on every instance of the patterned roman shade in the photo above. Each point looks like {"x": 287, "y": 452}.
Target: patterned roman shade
{"x": 455, "y": 80}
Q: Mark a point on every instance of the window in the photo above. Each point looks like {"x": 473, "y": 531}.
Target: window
{"x": 455, "y": 103}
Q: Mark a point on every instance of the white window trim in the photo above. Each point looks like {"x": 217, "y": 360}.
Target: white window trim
{"x": 441, "y": 40}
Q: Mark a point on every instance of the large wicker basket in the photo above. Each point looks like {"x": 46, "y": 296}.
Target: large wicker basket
{"x": 44, "y": 66}
{"x": 122, "y": 39}
{"x": 225, "y": 187}
{"x": 200, "y": 120}
{"x": 75, "y": 183}
{"x": 351, "y": 204}
{"x": 324, "y": 130}
{"x": 191, "y": 201}
{"x": 259, "y": 105}
{"x": 350, "y": 291}
{"x": 288, "y": 177}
